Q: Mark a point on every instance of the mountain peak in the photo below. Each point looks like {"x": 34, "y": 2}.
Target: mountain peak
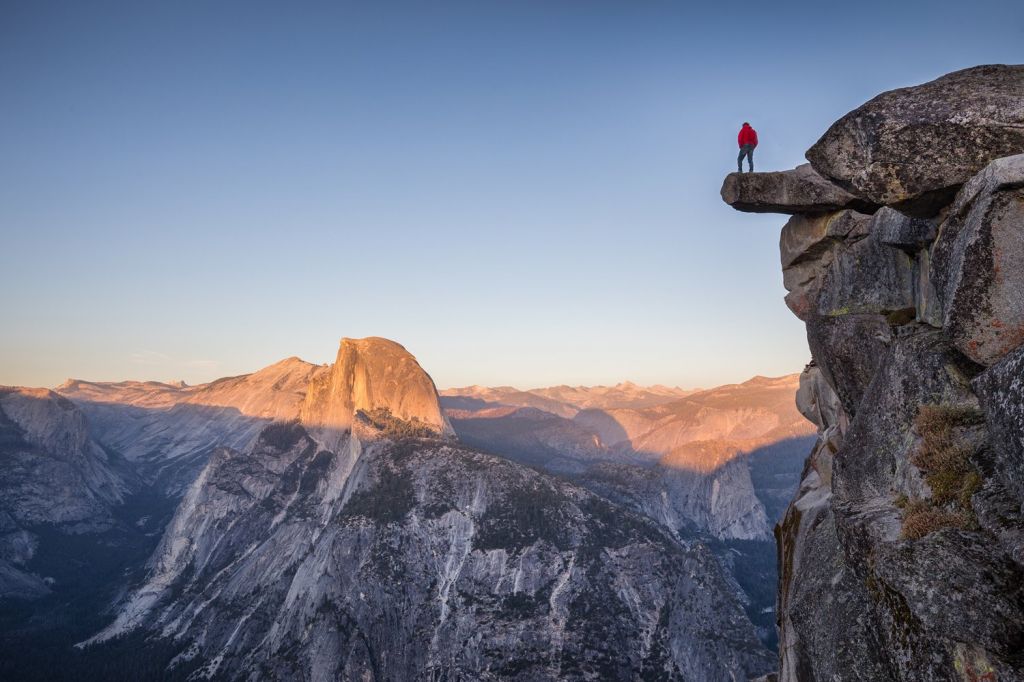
{"x": 370, "y": 374}
{"x": 784, "y": 380}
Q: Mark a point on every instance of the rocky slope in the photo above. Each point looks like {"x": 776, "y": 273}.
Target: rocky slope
{"x": 55, "y": 481}
{"x": 361, "y": 542}
{"x": 902, "y": 555}
{"x": 757, "y": 411}
{"x": 168, "y": 431}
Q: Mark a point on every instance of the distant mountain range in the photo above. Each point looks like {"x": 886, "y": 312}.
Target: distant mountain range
{"x": 345, "y": 521}
{"x": 719, "y": 465}
{"x": 580, "y": 430}
{"x": 568, "y": 401}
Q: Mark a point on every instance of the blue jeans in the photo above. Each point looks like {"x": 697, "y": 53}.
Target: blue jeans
{"x": 746, "y": 150}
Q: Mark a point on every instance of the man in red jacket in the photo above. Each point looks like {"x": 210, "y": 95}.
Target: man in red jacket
{"x": 748, "y": 140}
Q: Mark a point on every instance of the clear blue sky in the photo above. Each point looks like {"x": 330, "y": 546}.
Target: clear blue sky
{"x": 520, "y": 192}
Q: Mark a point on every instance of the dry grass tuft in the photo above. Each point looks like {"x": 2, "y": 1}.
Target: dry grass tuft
{"x": 920, "y": 518}
{"x": 944, "y": 456}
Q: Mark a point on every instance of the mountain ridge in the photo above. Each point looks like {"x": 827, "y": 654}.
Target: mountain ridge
{"x": 336, "y": 506}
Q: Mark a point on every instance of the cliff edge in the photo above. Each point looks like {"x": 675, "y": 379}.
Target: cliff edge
{"x": 901, "y": 556}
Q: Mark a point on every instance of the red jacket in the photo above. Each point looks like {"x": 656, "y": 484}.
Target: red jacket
{"x": 747, "y": 136}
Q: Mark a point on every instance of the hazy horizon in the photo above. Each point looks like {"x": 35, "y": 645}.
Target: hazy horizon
{"x": 440, "y": 387}
{"x": 521, "y": 194}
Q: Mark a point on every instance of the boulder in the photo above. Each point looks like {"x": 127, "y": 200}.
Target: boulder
{"x": 978, "y": 263}
{"x": 913, "y": 147}
{"x": 800, "y": 190}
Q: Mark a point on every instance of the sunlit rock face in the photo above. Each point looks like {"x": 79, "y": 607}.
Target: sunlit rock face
{"x": 373, "y": 374}
{"x": 562, "y": 401}
{"x": 357, "y": 544}
{"x": 901, "y": 556}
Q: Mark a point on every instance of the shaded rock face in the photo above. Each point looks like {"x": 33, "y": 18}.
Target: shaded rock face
{"x": 902, "y": 555}
{"x": 808, "y": 244}
{"x": 1000, "y": 389}
{"x": 360, "y": 545}
{"x": 912, "y": 148}
{"x": 52, "y": 476}
{"x": 806, "y": 535}
{"x": 906, "y": 232}
{"x": 862, "y": 341}
{"x": 837, "y": 264}
{"x": 432, "y": 562}
{"x": 722, "y": 502}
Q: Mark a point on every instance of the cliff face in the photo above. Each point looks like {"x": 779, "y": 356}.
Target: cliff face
{"x": 902, "y": 555}
{"x": 368, "y": 375}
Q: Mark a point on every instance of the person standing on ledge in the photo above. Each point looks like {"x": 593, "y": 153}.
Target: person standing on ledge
{"x": 748, "y": 140}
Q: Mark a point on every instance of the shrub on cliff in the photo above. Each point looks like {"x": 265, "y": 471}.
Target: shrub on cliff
{"x": 921, "y": 518}
{"x": 393, "y": 427}
{"x": 944, "y": 456}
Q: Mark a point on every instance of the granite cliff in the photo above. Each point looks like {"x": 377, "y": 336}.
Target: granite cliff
{"x": 902, "y": 555}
